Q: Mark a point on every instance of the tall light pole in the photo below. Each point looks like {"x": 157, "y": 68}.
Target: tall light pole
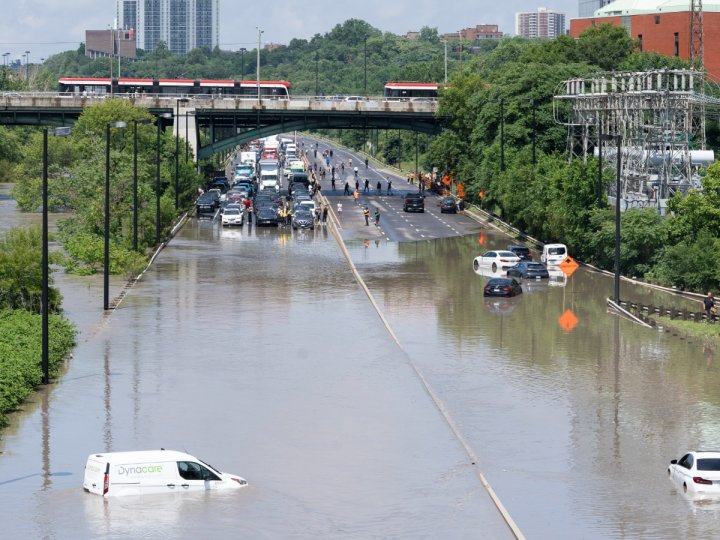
{"x": 445, "y": 42}
{"x": 502, "y": 134}
{"x": 135, "y": 181}
{"x": 242, "y": 62}
{"x": 260, "y": 33}
{"x": 106, "y": 258}
{"x": 5, "y": 55}
{"x": 365, "y": 39}
{"x": 157, "y": 176}
{"x": 45, "y": 296}
{"x": 176, "y": 121}
{"x": 27, "y": 65}
{"x": 533, "y": 106}
{"x": 317, "y": 72}
{"x": 186, "y": 135}
{"x": 600, "y": 163}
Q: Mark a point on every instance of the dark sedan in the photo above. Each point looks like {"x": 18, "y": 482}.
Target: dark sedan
{"x": 502, "y": 287}
{"x": 303, "y": 219}
{"x": 448, "y": 204}
{"x": 266, "y": 215}
{"x": 528, "y": 270}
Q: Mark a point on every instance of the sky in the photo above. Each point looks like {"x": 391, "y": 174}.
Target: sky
{"x": 46, "y": 27}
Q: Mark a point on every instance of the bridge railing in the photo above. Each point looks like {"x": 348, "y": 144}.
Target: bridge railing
{"x": 214, "y": 101}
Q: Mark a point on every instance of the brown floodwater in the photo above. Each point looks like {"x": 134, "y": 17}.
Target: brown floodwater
{"x": 257, "y": 351}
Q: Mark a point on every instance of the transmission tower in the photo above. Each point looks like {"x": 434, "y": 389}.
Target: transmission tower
{"x": 697, "y": 62}
{"x": 657, "y": 116}
{"x": 696, "y": 35}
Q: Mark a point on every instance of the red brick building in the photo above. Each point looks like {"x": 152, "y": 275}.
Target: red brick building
{"x": 661, "y": 26}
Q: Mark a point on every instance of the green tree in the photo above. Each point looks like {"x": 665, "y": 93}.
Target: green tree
{"x": 21, "y": 272}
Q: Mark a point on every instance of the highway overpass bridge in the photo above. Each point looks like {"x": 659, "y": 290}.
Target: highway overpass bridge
{"x": 214, "y": 124}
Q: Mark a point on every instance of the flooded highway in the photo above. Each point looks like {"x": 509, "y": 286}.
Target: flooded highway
{"x": 256, "y": 350}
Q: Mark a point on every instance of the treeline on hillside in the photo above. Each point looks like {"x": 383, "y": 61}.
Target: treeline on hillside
{"x": 555, "y": 200}
{"x": 333, "y": 62}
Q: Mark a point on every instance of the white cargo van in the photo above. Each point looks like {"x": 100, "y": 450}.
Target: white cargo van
{"x": 248, "y": 157}
{"x": 152, "y": 471}
{"x": 553, "y": 254}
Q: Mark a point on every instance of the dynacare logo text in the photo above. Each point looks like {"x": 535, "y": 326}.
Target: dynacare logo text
{"x": 140, "y": 469}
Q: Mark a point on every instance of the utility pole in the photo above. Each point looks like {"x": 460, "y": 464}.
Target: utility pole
{"x": 445, "y": 42}
{"x": 317, "y": 72}
{"x": 27, "y": 66}
{"x": 260, "y": 33}
{"x": 365, "y": 86}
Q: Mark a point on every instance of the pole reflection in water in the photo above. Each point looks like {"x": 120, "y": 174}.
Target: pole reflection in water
{"x": 45, "y": 415}
{"x": 107, "y": 400}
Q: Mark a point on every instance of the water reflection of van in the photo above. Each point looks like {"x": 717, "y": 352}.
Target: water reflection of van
{"x": 553, "y": 254}
{"x": 152, "y": 471}
{"x": 558, "y": 278}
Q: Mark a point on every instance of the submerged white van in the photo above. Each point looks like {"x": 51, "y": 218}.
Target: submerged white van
{"x": 553, "y": 254}
{"x": 152, "y": 471}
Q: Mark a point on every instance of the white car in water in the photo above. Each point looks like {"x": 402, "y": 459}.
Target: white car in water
{"x": 233, "y": 215}
{"x": 496, "y": 260}
{"x": 697, "y": 472}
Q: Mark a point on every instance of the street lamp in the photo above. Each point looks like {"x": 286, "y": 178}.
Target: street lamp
{"x": 27, "y": 65}
{"x": 186, "y": 135}
{"x": 157, "y": 177}
{"x": 618, "y": 142}
{"x": 106, "y": 258}
{"x": 317, "y": 72}
{"x": 45, "y": 300}
{"x": 177, "y": 149}
{"x": 534, "y": 128}
{"x": 242, "y": 62}
{"x": 365, "y": 39}
{"x": 260, "y": 33}
{"x": 502, "y": 133}
{"x": 135, "y": 181}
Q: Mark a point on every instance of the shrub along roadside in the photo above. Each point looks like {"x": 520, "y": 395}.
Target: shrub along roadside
{"x": 21, "y": 351}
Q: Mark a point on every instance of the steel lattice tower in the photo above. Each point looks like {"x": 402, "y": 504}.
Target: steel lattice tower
{"x": 659, "y": 116}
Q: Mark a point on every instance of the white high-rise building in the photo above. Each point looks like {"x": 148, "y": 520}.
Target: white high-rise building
{"x": 540, "y": 24}
{"x": 182, "y": 24}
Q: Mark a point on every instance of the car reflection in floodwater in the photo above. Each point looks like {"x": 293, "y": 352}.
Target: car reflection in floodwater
{"x": 499, "y": 304}
{"x": 698, "y": 502}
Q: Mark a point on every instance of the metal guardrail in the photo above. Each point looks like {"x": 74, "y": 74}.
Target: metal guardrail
{"x": 377, "y": 104}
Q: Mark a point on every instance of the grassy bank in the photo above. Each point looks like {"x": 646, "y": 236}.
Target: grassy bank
{"x": 705, "y": 332}
{"x": 21, "y": 351}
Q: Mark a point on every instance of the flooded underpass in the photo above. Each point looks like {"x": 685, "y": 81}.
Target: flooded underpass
{"x": 257, "y": 351}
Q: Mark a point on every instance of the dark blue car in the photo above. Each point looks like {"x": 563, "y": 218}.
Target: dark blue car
{"x": 528, "y": 270}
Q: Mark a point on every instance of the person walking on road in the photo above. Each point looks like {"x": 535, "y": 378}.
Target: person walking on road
{"x": 366, "y": 213}
{"x": 377, "y": 217}
{"x": 367, "y": 186}
{"x": 356, "y": 196}
{"x": 389, "y": 181}
{"x": 379, "y": 187}
{"x": 332, "y": 182}
{"x": 347, "y": 188}
{"x": 324, "y": 215}
{"x": 366, "y": 163}
{"x": 357, "y": 184}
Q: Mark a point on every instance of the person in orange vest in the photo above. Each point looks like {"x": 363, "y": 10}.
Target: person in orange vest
{"x": 356, "y": 196}
{"x": 366, "y": 212}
